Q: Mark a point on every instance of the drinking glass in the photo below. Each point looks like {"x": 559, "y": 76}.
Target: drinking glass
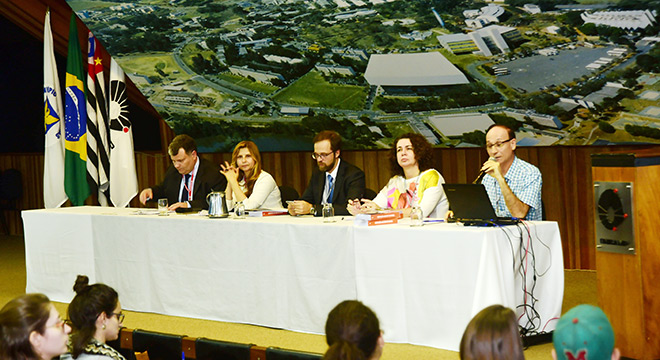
{"x": 328, "y": 213}
{"x": 162, "y": 207}
{"x": 416, "y": 216}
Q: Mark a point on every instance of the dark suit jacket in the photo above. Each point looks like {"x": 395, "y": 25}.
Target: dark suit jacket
{"x": 349, "y": 184}
{"x": 208, "y": 179}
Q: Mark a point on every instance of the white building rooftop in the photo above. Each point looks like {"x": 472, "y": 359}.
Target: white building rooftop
{"x": 457, "y": 124}
{"x": 417, "y": 69}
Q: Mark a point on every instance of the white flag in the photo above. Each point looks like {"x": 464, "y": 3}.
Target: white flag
{"x": 123, "y": 178}
{"x": 98, "y": 163}
{"x": 54, "y": 194}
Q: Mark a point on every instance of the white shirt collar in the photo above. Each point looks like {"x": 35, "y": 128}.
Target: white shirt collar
{"x": 334, "y": 172}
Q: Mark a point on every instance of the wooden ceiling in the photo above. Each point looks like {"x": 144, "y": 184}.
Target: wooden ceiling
{"x": 30, "y": 15}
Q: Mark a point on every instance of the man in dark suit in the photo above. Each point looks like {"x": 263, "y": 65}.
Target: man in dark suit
{"x": 336, "y": 181}
{"x": 188, "y": 180}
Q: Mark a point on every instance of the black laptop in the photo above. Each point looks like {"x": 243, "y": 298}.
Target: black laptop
{"x": 472, "y": 207}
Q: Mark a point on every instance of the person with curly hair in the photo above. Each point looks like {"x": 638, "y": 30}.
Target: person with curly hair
{"x": 31, "y": 329}
{"x": 415, "y": 182}
{"x": 96, "y": 317}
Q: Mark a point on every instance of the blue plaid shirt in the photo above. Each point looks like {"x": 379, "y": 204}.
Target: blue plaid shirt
{"x": 525, "y": 181}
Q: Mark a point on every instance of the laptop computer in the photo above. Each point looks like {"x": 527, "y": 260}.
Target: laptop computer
{"x": 472, "y": 207}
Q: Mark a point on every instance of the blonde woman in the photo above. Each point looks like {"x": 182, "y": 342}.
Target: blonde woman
{"x": 247, "y": 182}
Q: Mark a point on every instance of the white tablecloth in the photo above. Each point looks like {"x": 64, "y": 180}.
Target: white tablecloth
{"x": 425, "y": 283}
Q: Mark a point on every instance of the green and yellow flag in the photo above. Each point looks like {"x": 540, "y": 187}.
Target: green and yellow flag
{"x": 75, "y": 125}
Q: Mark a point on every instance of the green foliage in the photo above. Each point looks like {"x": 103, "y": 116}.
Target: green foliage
{"x": 453, "y": 97}
{"x": 206, "y": 66}
{"x": 637, "y": 130}
{"x": 572, "y": 18}
{"x": 541, "y": 103}
{"x": 648, "y": 62}
{"x": 507, "y": 121}
{"x": 476, "y": 137}
{"x": 606, "y": 127}
{"x": 589, "y": 29}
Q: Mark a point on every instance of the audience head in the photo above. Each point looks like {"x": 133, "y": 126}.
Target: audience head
{"x": 95, "y": 312}
{"x": 353, "y": 332}
{"x": 183, "y": 152}
{"x": 585, "y": 333}
{"x": 501, "y": 143}
{"x": 31, "y": 329}
{"x": 327, "y": 148}
{"x": 247, "y": 159}
{"x": 492, "y": 334}
{"x": 422, "y": 151}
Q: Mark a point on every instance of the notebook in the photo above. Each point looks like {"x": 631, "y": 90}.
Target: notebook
{"x": 471, "y": 206}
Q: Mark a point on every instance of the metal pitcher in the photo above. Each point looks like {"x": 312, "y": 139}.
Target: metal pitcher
{"x": 217, "y": 204}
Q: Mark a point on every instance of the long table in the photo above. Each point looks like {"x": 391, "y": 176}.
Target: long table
{"x": 424, "y": 283}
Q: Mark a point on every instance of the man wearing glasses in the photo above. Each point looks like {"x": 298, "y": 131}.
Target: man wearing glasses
{"x": 335, "y": 182}
{"x": 514, "y": 185}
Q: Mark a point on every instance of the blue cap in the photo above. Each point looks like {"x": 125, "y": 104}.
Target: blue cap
{"x": 584, "y": 333}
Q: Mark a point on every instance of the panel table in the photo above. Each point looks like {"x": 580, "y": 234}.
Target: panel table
{"x": 288, "y": 272}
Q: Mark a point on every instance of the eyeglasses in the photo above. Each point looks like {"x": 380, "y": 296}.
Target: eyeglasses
{"x": 497, "y": 144}
{"x": 320, "y": 156}
{"x": 120, "y": 316}
{"x": 61, "y": 323}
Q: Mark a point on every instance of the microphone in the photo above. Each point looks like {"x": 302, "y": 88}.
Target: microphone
{"x": 482, "y": 173}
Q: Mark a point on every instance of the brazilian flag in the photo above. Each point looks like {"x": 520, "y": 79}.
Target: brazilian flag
{"x": 75, "y": 124}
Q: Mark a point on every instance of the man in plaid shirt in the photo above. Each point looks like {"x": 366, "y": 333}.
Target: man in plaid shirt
{"x": 513, "y": 185}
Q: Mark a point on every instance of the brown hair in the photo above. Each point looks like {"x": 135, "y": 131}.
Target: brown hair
{"x": 352, "y": 331}
{"x": 18, "y": 319}
{"x": 332, "y": 136}
{"x": 90, "y": 301}
{"x": 422, "y": 149}
{"x": 182, "y": 141}
{"x": 254, "y": 151}
{"x": 492, "y": 334}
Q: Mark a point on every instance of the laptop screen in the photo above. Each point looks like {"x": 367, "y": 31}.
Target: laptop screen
{"x": 469, "y": 202}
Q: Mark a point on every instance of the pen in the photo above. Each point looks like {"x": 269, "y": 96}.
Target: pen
{"x": 434, "y": 221}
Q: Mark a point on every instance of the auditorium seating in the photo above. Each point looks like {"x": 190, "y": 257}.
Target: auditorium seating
{"x": 273, "y": 353}
{"x": 208, "y": 349}
{"x": 160, "y": 346}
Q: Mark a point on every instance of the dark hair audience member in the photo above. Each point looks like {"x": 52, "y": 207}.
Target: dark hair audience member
{"x": 31, "y": 329}
{"x": 95, "y": 313}
{"x": 353, "y": 333}
{"x": 492, "y": 334}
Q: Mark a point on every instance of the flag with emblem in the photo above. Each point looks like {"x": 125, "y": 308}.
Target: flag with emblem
{"x": 75, "y": 125}
{"x": 123, "y": 178}
{"x": 54, "y": 194}
{"x": 98, "y": 162}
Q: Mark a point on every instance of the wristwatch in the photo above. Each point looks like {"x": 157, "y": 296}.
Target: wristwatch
{"x": 312, "y": 210}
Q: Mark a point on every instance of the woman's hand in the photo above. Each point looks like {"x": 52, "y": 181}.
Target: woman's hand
{"x": 230, "y": 172}
{"x": 369, "y": 207}
{"x": 364, "y": 206}
{"x": 354, "y": 207}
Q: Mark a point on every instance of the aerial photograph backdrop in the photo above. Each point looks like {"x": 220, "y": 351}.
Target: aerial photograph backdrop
{"x": 278, "y": 71}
